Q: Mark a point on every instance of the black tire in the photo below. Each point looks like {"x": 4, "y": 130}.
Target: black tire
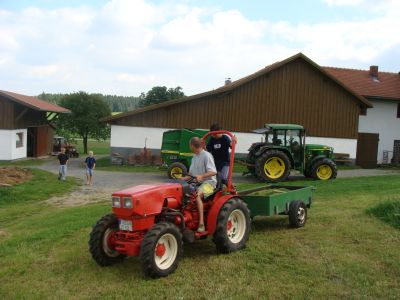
{"x": 307, "y": 173}
{"x": 148, "y": 249}
{"x": 176, "y": 165}
{"x": 98, "y": 246}
{"x": 263, "y": 175}
{"x": 297, "y": 214}
{"x": 327, "y": 163}
{"x": 250, "y": 160}
{"x": 222, "y": 239}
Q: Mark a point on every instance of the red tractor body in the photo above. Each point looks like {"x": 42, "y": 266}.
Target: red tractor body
{"x": 152, "y": 221}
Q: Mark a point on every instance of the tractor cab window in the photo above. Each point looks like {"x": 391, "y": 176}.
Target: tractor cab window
{"x": 293, "y": 139}
{"x": 279, "y": 138}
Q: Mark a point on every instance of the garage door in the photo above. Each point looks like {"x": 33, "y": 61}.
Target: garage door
{"x": 367, "y": 149}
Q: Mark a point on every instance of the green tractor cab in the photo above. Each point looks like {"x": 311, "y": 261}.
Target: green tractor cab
{"x": 175, "y": 150}
{"x": 285, "y": 149}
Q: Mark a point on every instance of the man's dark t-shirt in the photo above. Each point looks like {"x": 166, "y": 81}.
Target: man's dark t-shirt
{"x": 219, "y": 148}
{"x": 90, "y": 161}
{"x": 63, "y": 158}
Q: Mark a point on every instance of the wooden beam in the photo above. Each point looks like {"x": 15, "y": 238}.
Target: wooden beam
{"x": 21, "y": 114}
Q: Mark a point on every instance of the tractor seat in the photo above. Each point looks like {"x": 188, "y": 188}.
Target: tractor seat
{"x": 220, "y": 184}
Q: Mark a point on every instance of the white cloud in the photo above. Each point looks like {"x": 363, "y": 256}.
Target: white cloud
{"x": 126, "y": 47}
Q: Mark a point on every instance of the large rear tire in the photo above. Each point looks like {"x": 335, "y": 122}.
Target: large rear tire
{"x": 324, "y": 169}
{"x": 273, "y": 166}
{"x": 161, "y": 250}
{"x": 233, "y": 226}
{"x": 177, "y": 170}
{"x": 101, "y": 242}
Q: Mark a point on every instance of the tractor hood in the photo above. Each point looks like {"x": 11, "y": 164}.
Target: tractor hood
{"x": 146, "y": 199}
{"x": 318, "y": 147}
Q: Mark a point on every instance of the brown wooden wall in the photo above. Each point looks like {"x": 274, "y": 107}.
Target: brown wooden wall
{"x": 295, "y": 93}
{"x": 11, "y": 118}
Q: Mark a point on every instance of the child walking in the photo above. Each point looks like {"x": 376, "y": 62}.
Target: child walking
{"x": 63, "y": 159}
{"x": 90, "y": 163}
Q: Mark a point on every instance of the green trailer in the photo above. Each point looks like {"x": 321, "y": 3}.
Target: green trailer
{"x": 175, "y": 150}
{"x": 273, "y": 200}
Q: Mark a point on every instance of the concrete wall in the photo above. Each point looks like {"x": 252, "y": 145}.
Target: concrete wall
{"x": 382, "y": 119}
{"x": 8, "y": 148}
{"x": 126, "y": 140}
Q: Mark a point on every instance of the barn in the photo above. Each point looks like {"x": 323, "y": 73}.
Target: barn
{"x": 295, "y": 90}
{"x": 25, "y": 126}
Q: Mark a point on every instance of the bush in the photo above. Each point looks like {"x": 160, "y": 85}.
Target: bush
{"x": 388, "y": 212}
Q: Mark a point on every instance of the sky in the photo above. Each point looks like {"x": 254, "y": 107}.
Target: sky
{"x": 125, "y": 47}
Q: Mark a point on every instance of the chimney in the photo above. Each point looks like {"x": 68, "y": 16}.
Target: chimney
{"x": 228, "y": 81}
{"x": 373, "y": 72}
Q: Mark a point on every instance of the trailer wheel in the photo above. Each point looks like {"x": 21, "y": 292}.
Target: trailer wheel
{"x": 102, "y": 241}
{"x": 161, "y": 250}
{"x": 297, "y": 214}
{"x": 324, "y": 169}
{"x": 233, "y": 226}
{"x": 273, "y": 166}
{"x": 177, "y": 170}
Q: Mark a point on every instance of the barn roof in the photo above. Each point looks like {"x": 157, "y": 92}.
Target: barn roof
{"x": 386, "y": 85}
{"x": 235, "y": 84}
{"x": 33, "y": 102}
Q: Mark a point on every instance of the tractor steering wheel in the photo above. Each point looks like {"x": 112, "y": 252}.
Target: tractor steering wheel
{"x": 192, "y": 179}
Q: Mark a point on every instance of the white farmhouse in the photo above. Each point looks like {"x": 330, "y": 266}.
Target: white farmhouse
{"x": 382, "y": 122}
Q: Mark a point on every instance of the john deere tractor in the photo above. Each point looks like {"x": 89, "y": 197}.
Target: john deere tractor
{"x": 284, "y": 149}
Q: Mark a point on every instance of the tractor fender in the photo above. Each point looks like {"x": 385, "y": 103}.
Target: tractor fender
{"x": 314, "y": 160}
{"x": 214, "y": 211}
{"x": 283, "y": 149}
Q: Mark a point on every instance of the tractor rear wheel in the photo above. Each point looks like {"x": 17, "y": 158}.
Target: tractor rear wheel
{"x": 324, "y": 169}
{"x": 177, "y": 170}
{"x": 273, "y": 166}
{"x": 250, "y": 162}
{"x": 102, "y": 241}
{"x": 161, "y": 250}
{"x": 233, "y": 226}
{"x": 297, "y": 214}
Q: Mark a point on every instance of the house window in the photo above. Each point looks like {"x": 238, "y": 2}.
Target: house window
{"x": 19, "y": 140}
{"x": 398, "y": 110}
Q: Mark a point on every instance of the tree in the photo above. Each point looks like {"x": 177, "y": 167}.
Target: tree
{"x": 84, "y": 119}
{"x": 160, "y": 94}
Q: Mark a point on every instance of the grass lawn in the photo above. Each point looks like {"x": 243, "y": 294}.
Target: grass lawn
{"x": 24, "y": 162}
{"x": 343, "y": 252}
{"x": 98, "y": 147}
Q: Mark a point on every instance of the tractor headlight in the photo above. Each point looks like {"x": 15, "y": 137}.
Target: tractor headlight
{"x": 116, "y": 202}
{"x": 127, "y": 202}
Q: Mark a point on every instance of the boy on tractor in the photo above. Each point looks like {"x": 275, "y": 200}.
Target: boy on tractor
{"x": 203, "y": 168}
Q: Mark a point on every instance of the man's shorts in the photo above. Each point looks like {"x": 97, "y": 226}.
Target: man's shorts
{"x": 89, "y": 172}
{"x": 206, "y": 188}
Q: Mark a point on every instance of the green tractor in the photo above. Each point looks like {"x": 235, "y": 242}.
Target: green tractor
{"x": 284, "y": 149}
{"x": 175, "y": 151}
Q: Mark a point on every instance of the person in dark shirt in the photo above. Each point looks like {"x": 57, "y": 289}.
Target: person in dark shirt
{"x": 63, "y": 159}
{"x": 218, "y": 146}
{"x": 90, "y": 163}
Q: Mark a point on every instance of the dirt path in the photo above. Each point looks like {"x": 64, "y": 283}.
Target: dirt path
{"x": 106, "y": 182}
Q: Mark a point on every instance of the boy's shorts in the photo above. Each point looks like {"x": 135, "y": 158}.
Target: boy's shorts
{"x": 89, "y": 172}
{"x": 206, "y": 188}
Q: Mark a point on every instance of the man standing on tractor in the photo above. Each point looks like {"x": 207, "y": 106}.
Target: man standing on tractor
{"x": 218, "y": 146}
{"x": 203, "y": 168}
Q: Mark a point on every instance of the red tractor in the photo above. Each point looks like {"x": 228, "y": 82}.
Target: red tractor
{"x": 152, "y": 221}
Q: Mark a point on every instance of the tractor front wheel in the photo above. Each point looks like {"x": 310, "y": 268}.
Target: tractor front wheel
{"x": 273, "y": 166}
{"x": 324, "y": 169}
{"x": 102, "y": 241}
{"x": 233, "y": 226}
{"x": 177, "y": 170}
{"x": 161, "y": 250}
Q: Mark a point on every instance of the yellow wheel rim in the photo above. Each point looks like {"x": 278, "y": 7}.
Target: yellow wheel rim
{"x": 324, "y": 172}
{"x": 176, "y": 172}
{"x": 274, "y": 167}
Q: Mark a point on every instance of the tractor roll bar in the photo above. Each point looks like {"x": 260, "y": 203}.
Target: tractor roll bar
{"x": 232, "y": 158}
